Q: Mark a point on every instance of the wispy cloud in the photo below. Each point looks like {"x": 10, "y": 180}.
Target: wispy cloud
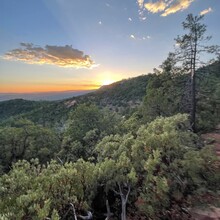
{"x": 63, "y": 56}
{"x": 206, "y": 11}
{"x": 165, "y": 7}
{"x": 177, "y": 6}
{"x": 140, "y": 38}
{"x": 140, "y": 3}
{"x": 156, "y": 6}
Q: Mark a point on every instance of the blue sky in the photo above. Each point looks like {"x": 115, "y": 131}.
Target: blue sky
{"x": 107, "y": 40}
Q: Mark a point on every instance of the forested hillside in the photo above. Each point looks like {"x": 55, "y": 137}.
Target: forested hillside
{"x": 168, "y": 94}
{"x": 130, "y": 150}
{"x": 122, "y": 96}
{"x": 15, "y": 107}
{"x": 127, "y": 93}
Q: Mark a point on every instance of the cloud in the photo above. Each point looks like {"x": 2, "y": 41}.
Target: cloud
{"x": 130, "y": 19}
{"x": 206, "y": 11}
{"x": 156, "y": 6}
{"x": 63, "y": 56}
{"x": 140, "y": 38}
{"x": 140, "y": 3}
{"x": 166, "y": 7}
{"x": 177, "y": 6}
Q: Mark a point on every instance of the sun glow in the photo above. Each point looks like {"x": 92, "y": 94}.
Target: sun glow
{"x": 106, "y": 82}
{"x": 107, "y": 77}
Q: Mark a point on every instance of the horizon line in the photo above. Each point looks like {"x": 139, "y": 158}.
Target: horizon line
{"x": 43, "y": 92}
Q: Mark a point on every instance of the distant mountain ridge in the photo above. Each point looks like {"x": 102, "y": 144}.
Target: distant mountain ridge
{"x": 120, "y": 96}
{"x": 42, "y": 96}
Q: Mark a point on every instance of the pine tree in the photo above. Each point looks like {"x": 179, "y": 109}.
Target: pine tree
{"x": 189, "y": 48}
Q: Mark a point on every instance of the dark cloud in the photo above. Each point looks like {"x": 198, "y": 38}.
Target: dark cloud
{"x": 64, "y": 56}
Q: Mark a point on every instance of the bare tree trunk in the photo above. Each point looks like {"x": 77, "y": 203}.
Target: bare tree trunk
{"x": 123, "y": 209}
{"x": 193, "y": 101}
{"x": 74, "y": 211}
{"x": 109, "y": 214}
{"x": 87, "y": 217}
{"x": 193, "y": 84}
{"x": 124, "y": 200}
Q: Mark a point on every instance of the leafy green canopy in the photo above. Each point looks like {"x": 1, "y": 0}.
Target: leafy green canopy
{"x": 34, "y": 191}
{"x": 155, "y": 172}
{"x": 170, "y": 176}
{"x": 86, "y": 126}
{"x": 155, "y": 166}
{"x": 168, "y": 94}
{"x": 25, "y": 140}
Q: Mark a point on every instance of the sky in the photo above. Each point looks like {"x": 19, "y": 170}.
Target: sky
{"x": 61, "y": 45}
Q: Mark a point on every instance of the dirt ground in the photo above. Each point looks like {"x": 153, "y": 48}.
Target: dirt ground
{"x": 211, "y": 213}
{"x": 214, "y": 139}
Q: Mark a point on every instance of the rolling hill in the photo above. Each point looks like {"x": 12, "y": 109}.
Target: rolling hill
{"x": 121, "y": 96}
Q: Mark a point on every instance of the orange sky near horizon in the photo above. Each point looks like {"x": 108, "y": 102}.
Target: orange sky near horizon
{"x": 58, "y": 85}
{"x": 35, "y": 88}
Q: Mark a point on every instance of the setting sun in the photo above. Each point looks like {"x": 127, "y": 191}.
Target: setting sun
{"x": 106, "y": 82}
{"x": 107, "y": 77}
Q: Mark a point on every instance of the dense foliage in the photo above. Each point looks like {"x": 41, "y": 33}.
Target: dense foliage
{"x": 154, "y": 172}
{"x": 49, "y": 114}
{"x": 24, "y": 140}
{"x": 168, "y": 94}
{"x": 16, "y": 107}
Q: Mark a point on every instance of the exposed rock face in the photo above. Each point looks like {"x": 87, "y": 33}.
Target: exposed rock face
{"x": 70, "y": 103}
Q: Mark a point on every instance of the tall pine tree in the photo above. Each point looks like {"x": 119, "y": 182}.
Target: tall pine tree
{"x": 189, "y": 48}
